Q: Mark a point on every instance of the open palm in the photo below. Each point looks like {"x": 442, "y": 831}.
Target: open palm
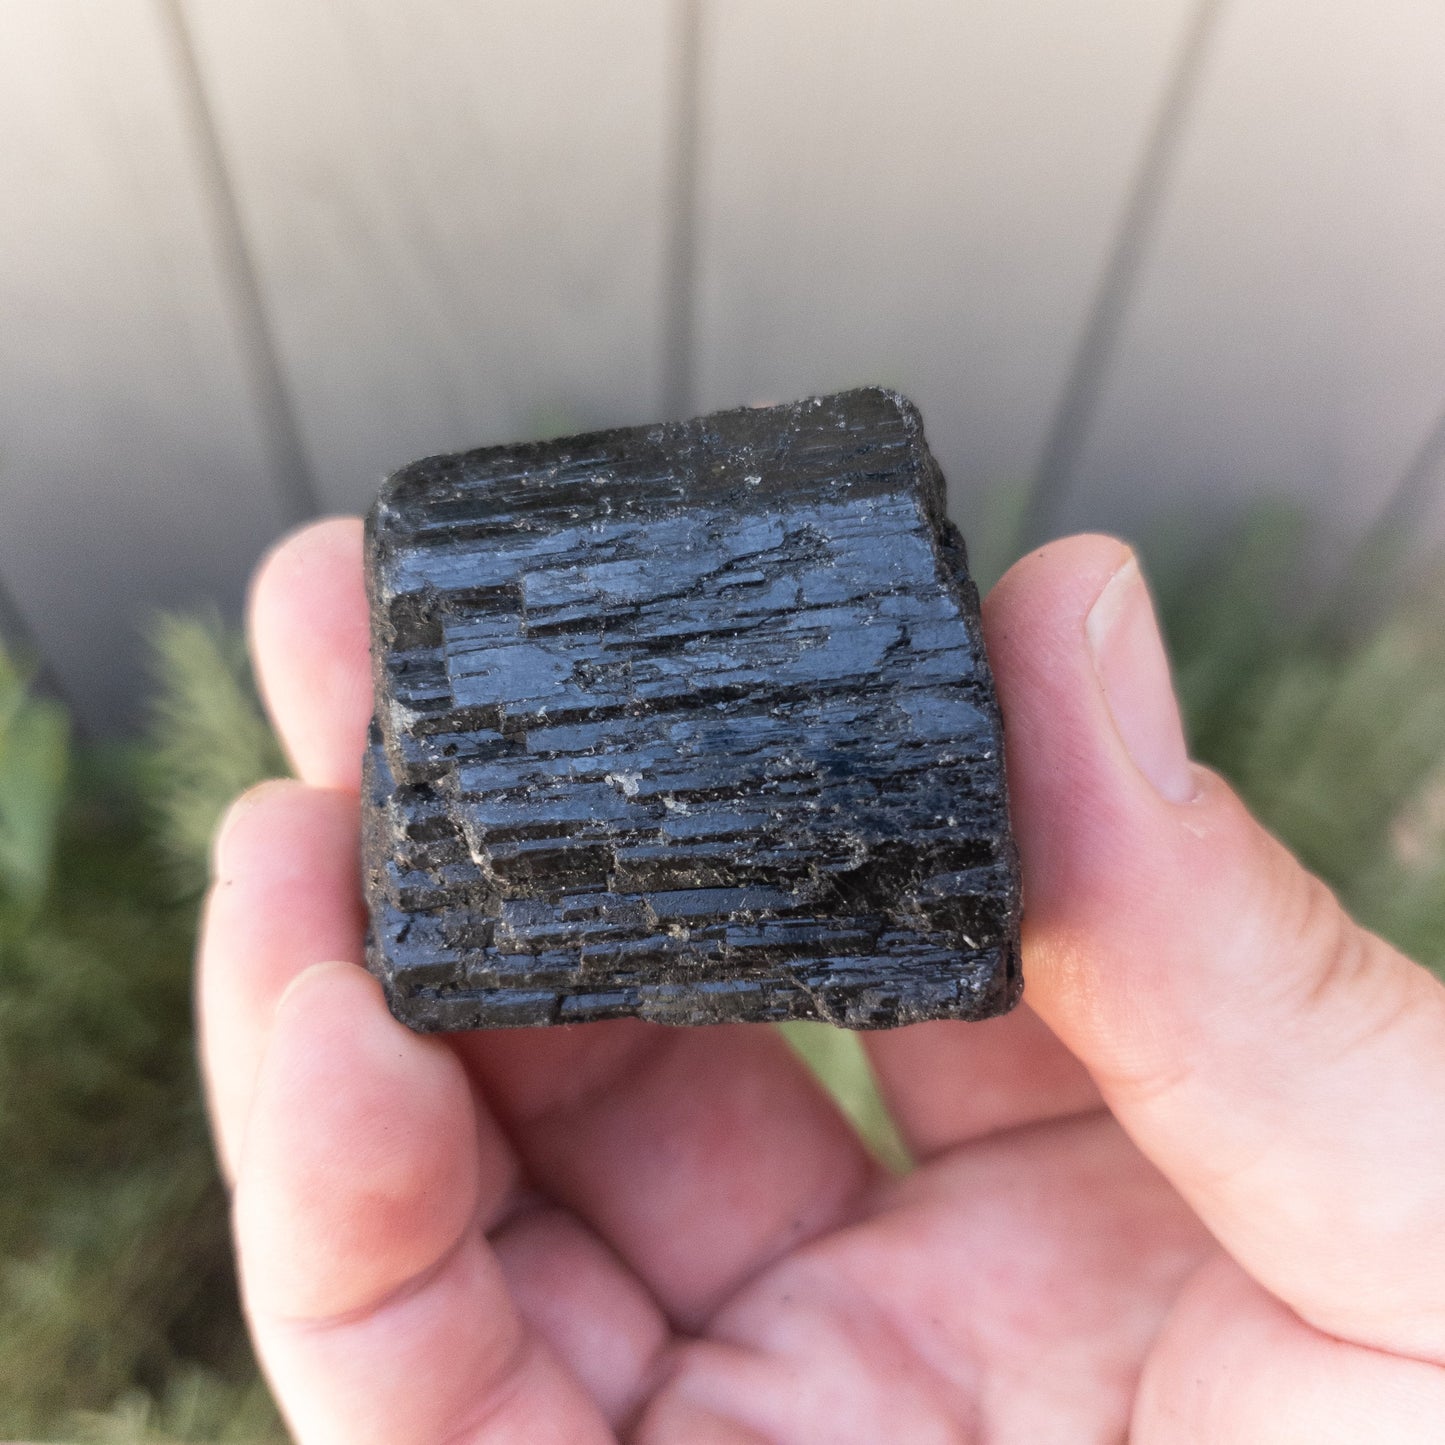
{"x": 1192, "y": 1193}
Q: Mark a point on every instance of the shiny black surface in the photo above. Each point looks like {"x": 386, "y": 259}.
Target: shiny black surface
{"x": 691, "y": 722}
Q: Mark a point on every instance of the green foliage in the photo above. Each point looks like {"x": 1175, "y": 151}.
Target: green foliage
{"x": 1331, "y": 724}
{"x": 837, "y": 1058}
{"x": 117, "y": 1306}
{"x": 210, "y": 740}
{"x": 194, "y": 1405}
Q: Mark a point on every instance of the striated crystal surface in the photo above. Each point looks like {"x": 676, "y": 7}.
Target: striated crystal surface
{"x": 689, "y": 721}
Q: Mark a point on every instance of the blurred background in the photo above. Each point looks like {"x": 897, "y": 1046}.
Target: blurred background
{"x": 1127, "y": 256}
{"x": 1174, "y": 268}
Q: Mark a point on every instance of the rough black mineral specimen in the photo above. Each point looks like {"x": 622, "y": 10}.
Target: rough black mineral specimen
{"x": 691, "y": 722}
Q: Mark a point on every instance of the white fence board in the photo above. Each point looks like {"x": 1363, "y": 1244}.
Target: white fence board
{"x": 458, "y": 212}
{"x": 923, "y": 193}
{"x": 133, "y": 467}
{"x": 1288, "y": 333}
{"x": 462, "y": 222}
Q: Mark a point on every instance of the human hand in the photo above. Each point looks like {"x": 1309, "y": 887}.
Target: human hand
{"x": 1191, "y": 1191}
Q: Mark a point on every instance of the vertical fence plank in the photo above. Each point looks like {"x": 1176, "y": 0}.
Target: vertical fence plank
{"x": 919, "y": 192}
{"x": 134, "y": 466}
{"x": 1286, "y": 336}
{"x": 459, "y": 213}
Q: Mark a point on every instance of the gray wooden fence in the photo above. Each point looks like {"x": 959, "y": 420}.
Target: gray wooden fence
{"x": 1130, "y": 253}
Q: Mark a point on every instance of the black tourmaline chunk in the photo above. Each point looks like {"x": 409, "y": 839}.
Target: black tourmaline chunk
{"x": 691, "y": 722}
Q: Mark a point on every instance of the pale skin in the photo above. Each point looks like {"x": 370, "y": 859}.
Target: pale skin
{"x": 1193, "y": 1191}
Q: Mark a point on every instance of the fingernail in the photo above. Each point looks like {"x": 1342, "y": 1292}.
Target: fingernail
{"x": 1133, "y": 671}
{"x": 239, "y": 808}
{"x": 307, "y": 976}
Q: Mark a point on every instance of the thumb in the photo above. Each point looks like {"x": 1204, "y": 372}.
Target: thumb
{"x": 1284, "y": 1068}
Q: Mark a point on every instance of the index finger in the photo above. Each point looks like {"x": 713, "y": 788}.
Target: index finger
{"x": 307, "y": 622}
{"x": 656, "y": 1138}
